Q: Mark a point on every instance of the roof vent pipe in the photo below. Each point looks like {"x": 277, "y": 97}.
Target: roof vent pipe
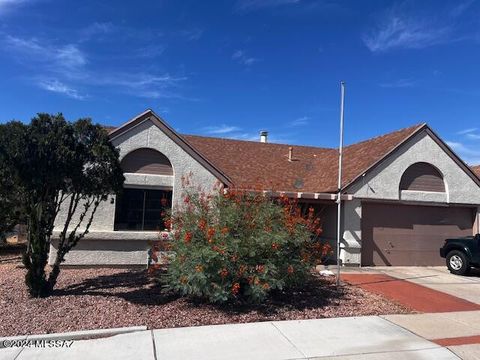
{"x": 263, "y": 136}
{"x": 290, "y": 153}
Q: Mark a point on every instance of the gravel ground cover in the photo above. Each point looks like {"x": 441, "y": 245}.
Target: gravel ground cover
{"x": 95, "y": 298}
{"x": 11, "y": 253}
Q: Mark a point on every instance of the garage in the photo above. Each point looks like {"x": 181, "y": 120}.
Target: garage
{"x": 410, "y": 235}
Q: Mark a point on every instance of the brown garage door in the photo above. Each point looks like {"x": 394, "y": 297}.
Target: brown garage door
{"x": 408, "y": 234}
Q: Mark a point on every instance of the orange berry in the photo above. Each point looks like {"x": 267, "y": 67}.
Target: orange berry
{"x": 224, "y": 273}
{"x": 235, "y": 288}
{"x": 188, "y": 237}
{"x": 202, "y": 224}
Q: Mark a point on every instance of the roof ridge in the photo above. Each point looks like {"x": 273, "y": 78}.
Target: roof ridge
{"x": 111, "y": 128}
{"x": 258, "y": 142}
{"x": 413, "y": 128}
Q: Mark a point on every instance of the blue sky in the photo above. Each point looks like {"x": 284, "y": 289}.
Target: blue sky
{"x": 231, "y": 68}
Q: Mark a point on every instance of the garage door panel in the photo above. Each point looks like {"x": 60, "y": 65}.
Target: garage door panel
{"x": 406, "y": 258}
{"x": 424, "y": 230}
{"x": 410, "y": 235}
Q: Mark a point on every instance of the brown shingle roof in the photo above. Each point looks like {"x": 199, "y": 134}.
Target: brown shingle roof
{"x": 476, "y": 170}
{"x": 254, "y": 164}
{"x": 361, "y": 156}
{"x": 109, "y": 128}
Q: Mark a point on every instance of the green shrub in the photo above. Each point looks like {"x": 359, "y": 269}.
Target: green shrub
{"x": 241, "y": 246}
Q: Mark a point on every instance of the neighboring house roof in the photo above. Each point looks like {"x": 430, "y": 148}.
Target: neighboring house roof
{"x": 476, "y": 170}
{"x": 256, "y": 165}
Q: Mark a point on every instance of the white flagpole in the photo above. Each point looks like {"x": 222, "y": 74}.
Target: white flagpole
{"x": 339, "y": 193}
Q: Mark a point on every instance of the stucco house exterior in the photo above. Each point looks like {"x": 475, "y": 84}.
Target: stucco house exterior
{"x": 403, "y": 192}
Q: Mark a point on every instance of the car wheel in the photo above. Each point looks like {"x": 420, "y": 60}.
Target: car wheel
{"x": 457, "y": 262}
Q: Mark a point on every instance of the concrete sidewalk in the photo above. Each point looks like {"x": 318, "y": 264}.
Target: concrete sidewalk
{"x": 458, "y": 331}
{"x": 369, "y": 337}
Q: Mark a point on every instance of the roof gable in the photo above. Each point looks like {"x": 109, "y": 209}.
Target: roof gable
{"x": 172, "y": 134}
{"x": 403, "y": 135}
{"x": 361, "y": 157}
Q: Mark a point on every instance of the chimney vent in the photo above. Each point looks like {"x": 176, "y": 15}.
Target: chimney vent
{"x": 263, "y": 136}
{"x": 290, "y": 153}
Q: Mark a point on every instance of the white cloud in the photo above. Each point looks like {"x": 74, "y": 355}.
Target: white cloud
{"x": 399, "y": 29}
{"x": 221, "y": 129}
{"x": 96, "y": 29}
{"x": 59, "y": 87}
{"x": 301, "y": 121}
{"x": 69, "y": 56}
{"x": 467, "y": 131}
{"x": 469, "y": 154}
{"x": 471, "y": 133}
{"x": 473, "y": 136}
{"x": 238, "y": 54}
{"x": 145, "y": 52}
{"x": 10, "y": 2}
{"x": 146, "y": 85}
{"x": 255, "y": 136}
{"x": 67, "y": 59}
{"x": 68, "y": 64}
{"x": 241, "y": 57}
{"x": 6, "y": 5}
{"x": 237, "y": 133}
{"x": 461, "y": 8}
{"x": 250, "y": 5}
{"x": 467, "y": 145}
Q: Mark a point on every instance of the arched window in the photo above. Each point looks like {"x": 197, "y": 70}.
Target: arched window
{"x": 144, "y": 209}
{"x": 146, "y": 161}
{"x": 422, "y": 177}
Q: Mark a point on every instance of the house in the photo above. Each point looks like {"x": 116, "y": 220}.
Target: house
{"x": 403, "y": 192}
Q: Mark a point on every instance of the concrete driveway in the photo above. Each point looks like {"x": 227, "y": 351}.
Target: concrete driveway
{"x": 437, "y": 278}
{"x": 458, "y": 331}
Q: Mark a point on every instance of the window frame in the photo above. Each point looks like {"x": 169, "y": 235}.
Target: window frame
{"x": 118, "y": 211}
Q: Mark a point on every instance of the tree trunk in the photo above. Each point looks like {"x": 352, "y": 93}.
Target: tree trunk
{"x": 36, "y": 256}
{"x": 35, "y": 262}
{"x": 53, "y": 276}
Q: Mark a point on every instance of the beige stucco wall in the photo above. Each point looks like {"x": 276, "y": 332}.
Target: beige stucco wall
{"x": 383, "y": 183}
{"x": 105, "y": 246}
{"x": 106, "y": 252}
{"x": 95, "y": 248}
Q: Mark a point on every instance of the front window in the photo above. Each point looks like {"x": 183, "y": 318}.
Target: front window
{"x": 140, "y": 209}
